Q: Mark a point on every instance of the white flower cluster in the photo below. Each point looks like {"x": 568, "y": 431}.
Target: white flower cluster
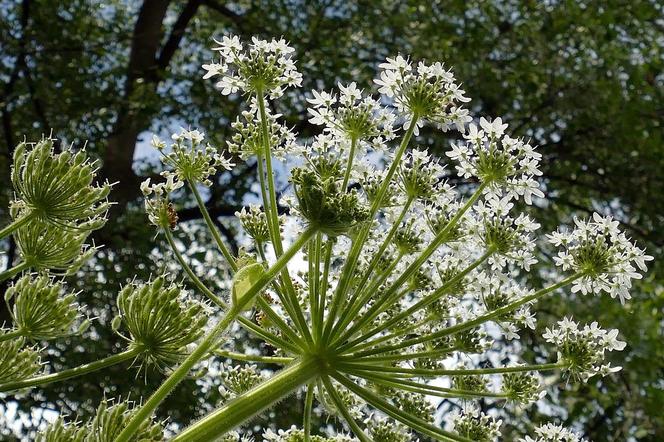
{"x": 428, "y": 92}
{"x": 476, "y": 425}
{"x": 352, "y": 116}
{"x": 511, "y": 238}
{"x": 607, "y": 259}
{"x": 583, "y": 349}
{"x": 553, "y": 433}
{"x": 260, "y": 67}
{"x": 507, "y": 164}
{"x": 247, "y": 141}
{"x": 190, "y": 159}
{"x": 158, "y": 207}
{"x": 294, "y": 434}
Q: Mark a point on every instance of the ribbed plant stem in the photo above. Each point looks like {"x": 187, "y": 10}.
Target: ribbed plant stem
{"x": 249, "y": 404}
{"x": 10, "y": 335}
{"x": 17, "y": 223}
{"x": 10, "y": 273}
{"x": 72, "y": 372}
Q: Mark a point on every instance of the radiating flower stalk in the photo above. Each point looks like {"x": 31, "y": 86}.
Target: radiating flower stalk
{"x": 404, "y": 276}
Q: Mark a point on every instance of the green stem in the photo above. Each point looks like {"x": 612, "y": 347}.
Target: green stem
{"x": 10, "y": 335}
{"x": 308, "y": 406}
{"x": 358, "y": 242}
{"x": 426, "y": 389}
{"x": 249, "y": 404}
{"x": 254, "y": 358}
{"x": 401, "y": 356}
{"x": 475, "y": 322}
{"x": 414, "y": 422}
{"x": 341, "y": 407}
{"x": 349, "y": 165}
{"x": 274, "y": 340}
{"x": 423, "y": 303}
{"x": 213, "y": 229}
{"x": 72, "y": 372}
{"x": 10, "y": 273}
{"x": 425, "y": 372}
{"x": 190, "y": 273}
{"x": 440, "y": 238}
{"x": 210, "y": 340}
{"x": 354, "y": 306}
{"x": 17, "y": 223}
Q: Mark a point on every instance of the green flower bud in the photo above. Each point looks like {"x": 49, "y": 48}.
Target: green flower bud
{"x": 46, "y": 246}
{"x": 59, "y": 431}
{"x": 160, "y": 321}
{"x": 40, "y": 310}
{"x": 522, "y": 387}
{"x": 238, "y": 380}
{"x": 332, "y": 211}
{"x": 57, "y": 188}
{"x": 17, "y": 363}
{"x": 107, "y": 424}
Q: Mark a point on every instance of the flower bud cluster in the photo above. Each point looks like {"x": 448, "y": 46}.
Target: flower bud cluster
{"x": 261, "y": 66}
{"x": 583, "y": 349}
{"x": 605, "y": 257}
{"x": 161, "y": 322}
{"x": 59, "y": 189}
{"x": 40, "y": 311}
{"x": 239, "y": 379}
{"x": 324, "y": 205}
{"x": 160, "y": 210}
{"x": 506, "y": 164}
{"x": 254, "y": 222}
{"x": 49, "y": 247}
{"x": 16, "y": 362}
{"x": 421, "y": 176}
{"x": 427, "y": 92}
{"x": 107, "y": 424}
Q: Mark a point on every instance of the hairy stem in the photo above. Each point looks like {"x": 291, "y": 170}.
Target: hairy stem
{"x": 249, "y": 404}
{"x": 308, "y": 406}
{"x": 426, "y": 372}
{"x": 254, "y": 358}
{"x": 10, "y": 335}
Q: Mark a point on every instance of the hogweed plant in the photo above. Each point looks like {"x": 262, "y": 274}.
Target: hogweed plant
{"x": 391, "y": 287}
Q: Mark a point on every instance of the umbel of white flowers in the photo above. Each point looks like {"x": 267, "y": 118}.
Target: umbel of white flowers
{"x": 392, "y": 280}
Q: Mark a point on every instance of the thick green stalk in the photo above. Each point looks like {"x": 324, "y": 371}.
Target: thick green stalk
{"x": 10, "y": 273}
{"x": 249, "y": 404}
{"x": 358, "y": 242}
{"x": 414, "y": 422}
{"x": 72, "y": 372}
{"x": 210, "y": 340}
{"x": 17, "y": 223}
{"x": 213, "y": 229}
